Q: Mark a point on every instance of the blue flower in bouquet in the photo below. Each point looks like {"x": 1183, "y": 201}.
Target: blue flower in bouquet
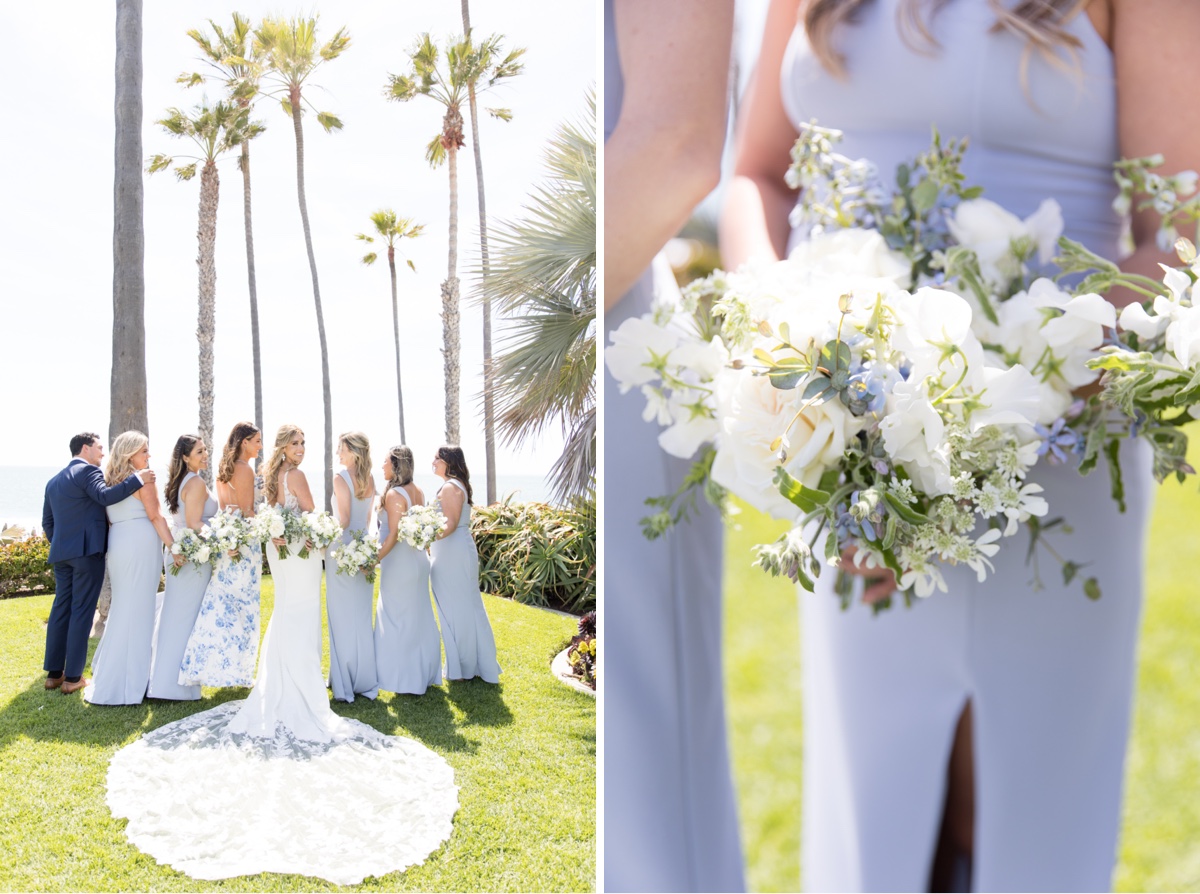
{"x": 1057, "y": 440}
{"x": 866, "y": 392}
{"x": 860, "y": 519}
{"x": 1137, "y": 423}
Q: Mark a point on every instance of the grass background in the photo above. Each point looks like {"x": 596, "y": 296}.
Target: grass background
{"x": 1160, "y": 832}
{"x": 523, "y": 755}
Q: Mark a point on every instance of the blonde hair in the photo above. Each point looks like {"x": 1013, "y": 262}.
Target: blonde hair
{"x": 283, "y": 437}
{"x": 400, "y": 458}
{"x": 1040, "y": 23}
{"x": 120, "y": 460}
{"x": 233, "y": 449}
{"x": 358, "y": 444}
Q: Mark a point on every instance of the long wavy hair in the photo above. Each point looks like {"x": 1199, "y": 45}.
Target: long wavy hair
{"x": 456, "y": 466}
{"x": 283, "y": 437}
{"x": 120, "y": 459}
{"x": 358, "y": 444}
{"x": 400, "y": 458}
{"x": 233, "y": 449}
{"x": 1040, "y": 23}
{"x": 184, "y": 446}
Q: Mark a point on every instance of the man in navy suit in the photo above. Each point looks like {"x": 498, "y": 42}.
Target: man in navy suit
{"x": 77, "y": 527}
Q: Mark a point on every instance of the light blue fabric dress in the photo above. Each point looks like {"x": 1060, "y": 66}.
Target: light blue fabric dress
{"x": 121, "y": 663}
{"x": 178, "y": 608}
{"x": 408, "y": 650}
{"x": 348, "y": 603}
{"x": 1048, "y": 672}
{"x": 454, "y": 576}
{"x": 670, "y": 821}
{"x": 223, "y": 645}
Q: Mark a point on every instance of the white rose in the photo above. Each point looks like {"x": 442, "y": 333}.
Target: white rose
{"x": 852, "y": 252}
{"x": 753, "y": 413}
{"x": 276, "y": 526}
{"x": 203, "y": 555}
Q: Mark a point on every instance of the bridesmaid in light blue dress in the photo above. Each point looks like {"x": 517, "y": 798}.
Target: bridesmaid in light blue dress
{"x": 121, "y": 665}
{"x": 348, "y": 600}
{"x": 223, "y": 645}
{"x": 670, "y": 820}
{"x": 191, "y": 506}
{"x": 1033, "y": 686}
{"x": 408, "y": 650}
{"x": 454, "y": 574}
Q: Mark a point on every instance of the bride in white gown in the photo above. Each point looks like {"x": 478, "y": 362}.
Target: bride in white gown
{"x": 279, "y": 782}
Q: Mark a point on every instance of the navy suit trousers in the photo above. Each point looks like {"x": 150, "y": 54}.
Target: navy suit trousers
{"x": 76, "y": 591}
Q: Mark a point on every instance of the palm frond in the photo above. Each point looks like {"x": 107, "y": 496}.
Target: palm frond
{"x": 329, "y": 121}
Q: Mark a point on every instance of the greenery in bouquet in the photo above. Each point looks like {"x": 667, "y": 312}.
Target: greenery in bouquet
{"x": 228, "y": 533}
{"x": 420, "y": 526}
{"x": 278, "y": 523}
{"x": 891, "y": 383}
{"x": 191, "y": 546}
{"x": 361, "y": 553}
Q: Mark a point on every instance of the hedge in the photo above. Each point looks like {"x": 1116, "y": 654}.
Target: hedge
{"x": 24, "y": 568}
{"x": 539, "y": 554}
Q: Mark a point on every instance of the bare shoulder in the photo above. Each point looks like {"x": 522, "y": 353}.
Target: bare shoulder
{"x": 242, "y": 473}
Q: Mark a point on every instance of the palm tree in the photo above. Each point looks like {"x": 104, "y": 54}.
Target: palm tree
{"x": 214, "y": 130}
{"x": 292, "y": 55}
{"x": 127, "y": 402}
{"x": 544, "y": 279}
{"x": 464, "y": 65}
{"x": 489, "y": 404}
{"x": 392, "y": 229}
{"x": 232, "y": 55}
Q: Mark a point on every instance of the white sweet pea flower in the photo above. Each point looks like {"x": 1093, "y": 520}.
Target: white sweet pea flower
{"x": 634, "y": 343}
{"x": 693, "y": 425}
{"x": 991, "y": 231}
{"x": 914, "y": 434}
{"x": 1183, "y": 336}
{"x": 1134, "y": 319}
{"x": 1012, "y": 396}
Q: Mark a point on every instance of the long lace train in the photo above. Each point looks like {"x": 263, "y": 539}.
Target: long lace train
{"x": 217, "y": 804}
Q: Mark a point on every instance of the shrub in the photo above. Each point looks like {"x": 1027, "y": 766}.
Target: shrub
{"x": 539, "y": 554}
{"x": 23, "y": 567}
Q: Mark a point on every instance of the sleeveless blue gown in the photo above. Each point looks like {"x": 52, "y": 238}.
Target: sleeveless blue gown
{"x": 1049, "y": 673}
{"x": 670, "y": 822}
{"x": 348, "y": 604}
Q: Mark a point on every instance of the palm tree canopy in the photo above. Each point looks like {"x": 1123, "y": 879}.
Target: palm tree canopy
{"x": 232, "y": 54}
{"x": 466, "y": 63}
{"x": 291, "y": 53}
{"x": 391, "y": 229}
{"x": 543, "y": 276}
{"x": 214, "y": 129}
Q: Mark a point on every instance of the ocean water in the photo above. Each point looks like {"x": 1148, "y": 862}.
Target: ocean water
{"x": 22, "y": 489}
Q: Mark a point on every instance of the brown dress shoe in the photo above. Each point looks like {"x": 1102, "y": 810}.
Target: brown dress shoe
{"x": 69, "y": 688}
{"x": 54, "y": 682}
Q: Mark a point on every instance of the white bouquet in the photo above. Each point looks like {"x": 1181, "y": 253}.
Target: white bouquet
{"x": 192, "y": 546}
{"x": 272, "y": 522}
{"x": 320, "y": 529}
{"x": 360, "y": 554}
{"x": 421, "y": 525}
{"x": 230, "y": 532}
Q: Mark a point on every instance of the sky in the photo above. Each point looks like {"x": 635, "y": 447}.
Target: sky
{"x": 56, "y": 232}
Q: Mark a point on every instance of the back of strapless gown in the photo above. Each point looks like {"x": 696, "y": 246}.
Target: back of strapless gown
{"x": 1048, "y": 672}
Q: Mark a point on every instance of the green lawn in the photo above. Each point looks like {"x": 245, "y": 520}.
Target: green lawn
{"x": 1160, "y": 836}
{"x": 523, "y": 753}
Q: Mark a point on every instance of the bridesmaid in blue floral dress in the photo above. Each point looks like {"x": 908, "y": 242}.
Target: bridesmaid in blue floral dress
{"x": 121, "y": 665}
{"x": 348, "y": 600}
{"x": 223, "y": 645}
{"x": 191, "y": 506}
{"x": 454, "y": 574}
{"x": 408, "y": 650}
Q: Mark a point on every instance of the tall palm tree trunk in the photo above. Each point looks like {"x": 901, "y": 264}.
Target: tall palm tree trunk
{"x": 127, "y": 402}
{"x": 396, "y": 332}
{"x": 206, "y": 324}
{"x": 312, "y": 266}
{"x": 489, "y": 406}
{"x": 254, "y": 344}
{"x": 450, "y": 293}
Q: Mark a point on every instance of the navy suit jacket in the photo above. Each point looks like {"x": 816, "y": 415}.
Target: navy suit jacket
{"x": 73, "y": 512}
